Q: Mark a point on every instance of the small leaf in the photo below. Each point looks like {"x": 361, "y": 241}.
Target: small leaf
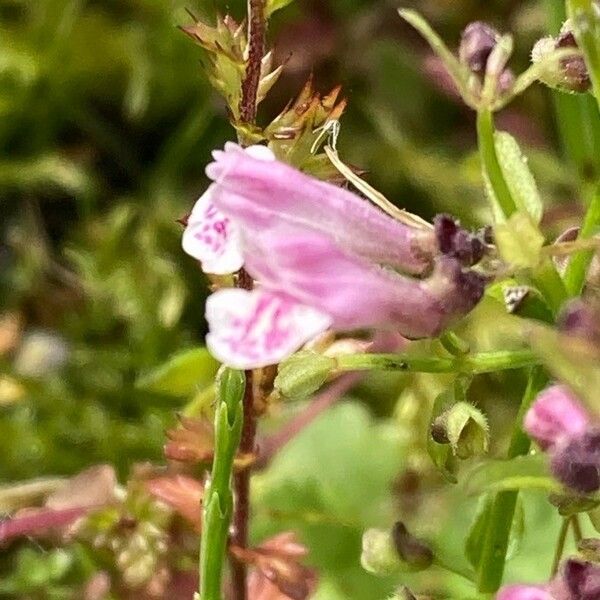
{"x": 476, "y": 536}
{"x": 522, "y": 472}
{"x": 275, "y": 5}
{"x": 518, "y": 177}
{"x": 519, "y": 240}
{"x": 182, "y": 374}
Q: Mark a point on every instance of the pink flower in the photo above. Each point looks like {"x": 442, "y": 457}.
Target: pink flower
{"x": 524, "y": 592}
{"x": 555, "y": 415}
{"x": 323, "y": 258}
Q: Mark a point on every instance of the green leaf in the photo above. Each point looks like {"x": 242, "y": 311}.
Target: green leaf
{"x": 518, "y": 177}
{"x": 522, "y": 472}
{"x": 183, "y": 374}
{"x": 330, "y": 484}
{"x": 476, "y": 536}
{"x": 275, "y": 5}
{"x": 519, "y": 240}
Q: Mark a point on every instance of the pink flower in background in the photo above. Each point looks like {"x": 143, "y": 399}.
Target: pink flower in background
{"x": 323, "y": 258}
{"x": 576, "y": 580}
{"x": 524, "y": 592}
{"x": 556, "y": 414}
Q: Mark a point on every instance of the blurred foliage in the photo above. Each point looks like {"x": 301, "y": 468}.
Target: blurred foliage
{"x": 106, "y": 121}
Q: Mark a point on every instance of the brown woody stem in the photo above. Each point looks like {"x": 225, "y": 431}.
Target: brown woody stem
{"x": 248, "y": 102}
{"x": 256, "y": 50}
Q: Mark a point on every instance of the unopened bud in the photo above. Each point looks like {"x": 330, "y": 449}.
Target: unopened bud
{"x": 403, "y": 594}
{"x": 457, "y": 242}
{"x": 568, "y": 74}
{"x": 581, "y": 319}
{"x": 303, "y": 373}
{"x": 464, "y": 427}
{"x": 412, "y": 551}
{"x": 576, "y": 462}
{"x": 577, "y": 579}
{"x": 385, "y": 552}
{"x": 554, "y": 416}
{"x": 476, "y": 44}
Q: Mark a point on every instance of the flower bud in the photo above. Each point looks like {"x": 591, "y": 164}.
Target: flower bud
{"x": 555, "y": 415}
{"x": 403, "y": 594}
{"x": 454, "y": 241}
{"x": 578, "y": 579}
{"x": 385, "y": 552}
{"x": 464, "y": 427}
{"x": 303, "y": 373}
{"x": 476, "y": 44}
{"x": 581, "y": 319}
{"x": 576, "y": 462}
{"x": 379, "y": 555}
{"x": 567, "y": 74}
{"x": 412, "y": 551}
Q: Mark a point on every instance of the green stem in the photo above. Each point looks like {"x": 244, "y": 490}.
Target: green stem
{"x": 577, "y": 533}
{"x": 483, "y": 362}
{"x": 586, "y": 26}
{"x": 560, "y": 545}
{"x": 490, "y": 163}
{"x": 493, "y": 555}
{"x": 577, "y": 115}
{"x": 218, "y": 495}
{"x": 454, "y": 344}
{"x": 580, "y": 262}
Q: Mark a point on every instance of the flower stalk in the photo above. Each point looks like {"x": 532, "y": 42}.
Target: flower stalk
{"x": 248, "y": 103}
{"x": 483, "y": 362}
{"x": 218, "y": 498}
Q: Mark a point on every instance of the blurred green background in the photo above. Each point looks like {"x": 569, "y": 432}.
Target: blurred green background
{"x": 106, "y": 123}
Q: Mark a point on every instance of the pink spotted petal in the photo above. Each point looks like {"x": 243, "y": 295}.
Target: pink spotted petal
{"x": 308, "y": 266}
{"x": 212, "y": 238}
{"x": 260, "y": 194}
{"x": 258, "y": 328}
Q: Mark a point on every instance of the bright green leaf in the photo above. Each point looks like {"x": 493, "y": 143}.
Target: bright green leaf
{"x": 182, "y": 374}
{"x": 519, "y": 240}
{"x": 522, "y": 472}
{"x": 518, "y": 177}
{"x": 275, "y": 5}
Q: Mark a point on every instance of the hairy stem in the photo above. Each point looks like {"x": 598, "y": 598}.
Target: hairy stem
{"x": 218, "y": 495}
{"x": 256, "y": 49}
{"x": 483, "y": 362}
{"x": 493, "y": 556}
{"x": 248, "y": 102}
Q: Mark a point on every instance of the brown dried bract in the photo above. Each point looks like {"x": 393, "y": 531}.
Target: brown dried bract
{"x": 279, "y": 575}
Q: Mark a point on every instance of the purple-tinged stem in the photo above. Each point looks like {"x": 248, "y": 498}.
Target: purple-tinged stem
{"x": 248, "y": 102}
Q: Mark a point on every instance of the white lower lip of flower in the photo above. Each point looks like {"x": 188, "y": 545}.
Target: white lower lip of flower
{"x": 252, "y": 329}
